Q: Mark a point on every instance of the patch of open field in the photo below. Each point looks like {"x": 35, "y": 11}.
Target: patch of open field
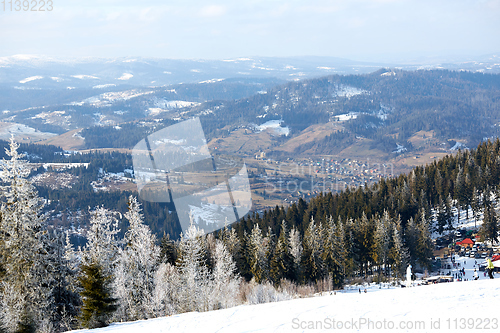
{"x": 361, "y": 150}
{"x": 243, "y": 142}
{"x": 68, "y": 141}
{"x": 423, "y": 139}
{"x": 310, "y": 134}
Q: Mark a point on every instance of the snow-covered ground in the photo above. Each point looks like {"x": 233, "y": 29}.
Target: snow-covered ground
{"x": 469, "y": 264}
{"x": 22, "y": 132}
{"x": 348, "y": 91}
{"x": 125, "y": 76}
{"x": 275, "y": 125}
{"x": 346, "y": 116}
{"x": 465, "y": 223}
{"x": 31, "y": 78}
{"x": 446, "y": 307}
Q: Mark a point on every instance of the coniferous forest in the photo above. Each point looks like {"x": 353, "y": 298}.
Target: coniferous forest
{"x": 371, "y": 232}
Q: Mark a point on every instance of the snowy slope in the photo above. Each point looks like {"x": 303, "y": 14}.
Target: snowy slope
{"x": 448, "y": 303}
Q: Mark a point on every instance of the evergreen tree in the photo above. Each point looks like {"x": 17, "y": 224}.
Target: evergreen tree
{"x": 24, "y": 258}
{"x": 98, "y": 305}
{"x": 424, "y": 241}
{"x": 168, "y": 250}
{"x": 476, "y": 205}
{"x": 225, "y": 285}
{"x": 381, "y": 241}
{"x": 257, "y": 250}
{"x": 295, "y": 243}
{"x": 444, "y": 215}
{"x": 490, "y": 227}
{"x": 334, "y": 251}
{"x": 102, "y": 245}
{"x": 194, "y": 277}
{"x": 312, "y": 262}
{"x": 281, "y": 265}
{"x": 134, "y": 272}
{"x": 398, "y": 253}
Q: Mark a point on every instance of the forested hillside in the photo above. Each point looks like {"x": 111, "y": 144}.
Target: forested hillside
{"x": 387, "y": 223}
{"x": 388, "y": 107}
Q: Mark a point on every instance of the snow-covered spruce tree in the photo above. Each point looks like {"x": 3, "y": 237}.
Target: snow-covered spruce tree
{"x": 382, "y": 241}
{"x": 399, "y": 252}
{"x": 136, "y": 265}
{"x": 411, "y": 236}
{"x": 333, "y": 251}
{"x": 225, "y": 284}
{"x": 281, "y": 265}
{"x": 257, "y": 251}
{"x": 60, "y": 274}
{"x": 295, "y": 243}
{"x": 424, "y": 245}
{"x": 312, "y": 262}
{"x": 102, "y": 244}
{"x": 194, "y": 277}
{"x": 99, "y": 259}
{"x": 23, "y": 257}
{"x": 230, "y": 240}
{"x": 166, "y": 290}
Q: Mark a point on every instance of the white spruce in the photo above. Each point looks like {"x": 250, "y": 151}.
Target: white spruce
{"x": 24, "y": 291}
{"x": 134, "y": 273}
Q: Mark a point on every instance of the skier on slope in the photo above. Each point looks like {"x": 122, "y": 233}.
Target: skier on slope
{"x": 490, "y": 268}
{"x": 476, "y": 277}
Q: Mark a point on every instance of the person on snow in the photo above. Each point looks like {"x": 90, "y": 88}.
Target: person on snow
{"x": 490, "y": 268}
{"x": 476, "y": 277}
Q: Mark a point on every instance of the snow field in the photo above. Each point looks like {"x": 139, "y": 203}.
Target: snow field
{"x": 405, "y": 309}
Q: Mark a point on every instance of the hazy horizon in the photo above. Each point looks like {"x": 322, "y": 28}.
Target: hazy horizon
{"x": 359, "y": 30}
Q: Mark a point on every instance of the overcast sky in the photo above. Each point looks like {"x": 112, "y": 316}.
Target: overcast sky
{"x": 355, "y": 29}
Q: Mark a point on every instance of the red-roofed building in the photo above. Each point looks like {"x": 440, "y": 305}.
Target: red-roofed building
{"x": 466, "y": 242}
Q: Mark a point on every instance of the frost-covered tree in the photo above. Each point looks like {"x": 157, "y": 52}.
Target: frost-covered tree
{"x": 60, "y": 273}
{"x": 168, "y": 250}
{"x": 134, "y": 273}
{"x": 312, "y": 261}
{"x": 225, "y": 283}
{"x": 102, "y": 244}
{"x": 24, "y": 263}
{"x": 281, "y": 265}
{"x": 382, "y": 241}
{"x": 424, "y": 241}
{"x": 99, "y": 259}
{"x": 257, "y": 251}
{"x": 411, "y": 236}
{"x": 194, "y": 277}
{"x": 295, "y": 243}
{"x": 166, "y": 290}
{"x": 230, "y": 240}
{"x": 398, "y": 253}
{"x": 334, "y": 251}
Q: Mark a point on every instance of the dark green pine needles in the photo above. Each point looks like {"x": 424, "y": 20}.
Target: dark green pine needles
{"x": 98, "y": 305}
